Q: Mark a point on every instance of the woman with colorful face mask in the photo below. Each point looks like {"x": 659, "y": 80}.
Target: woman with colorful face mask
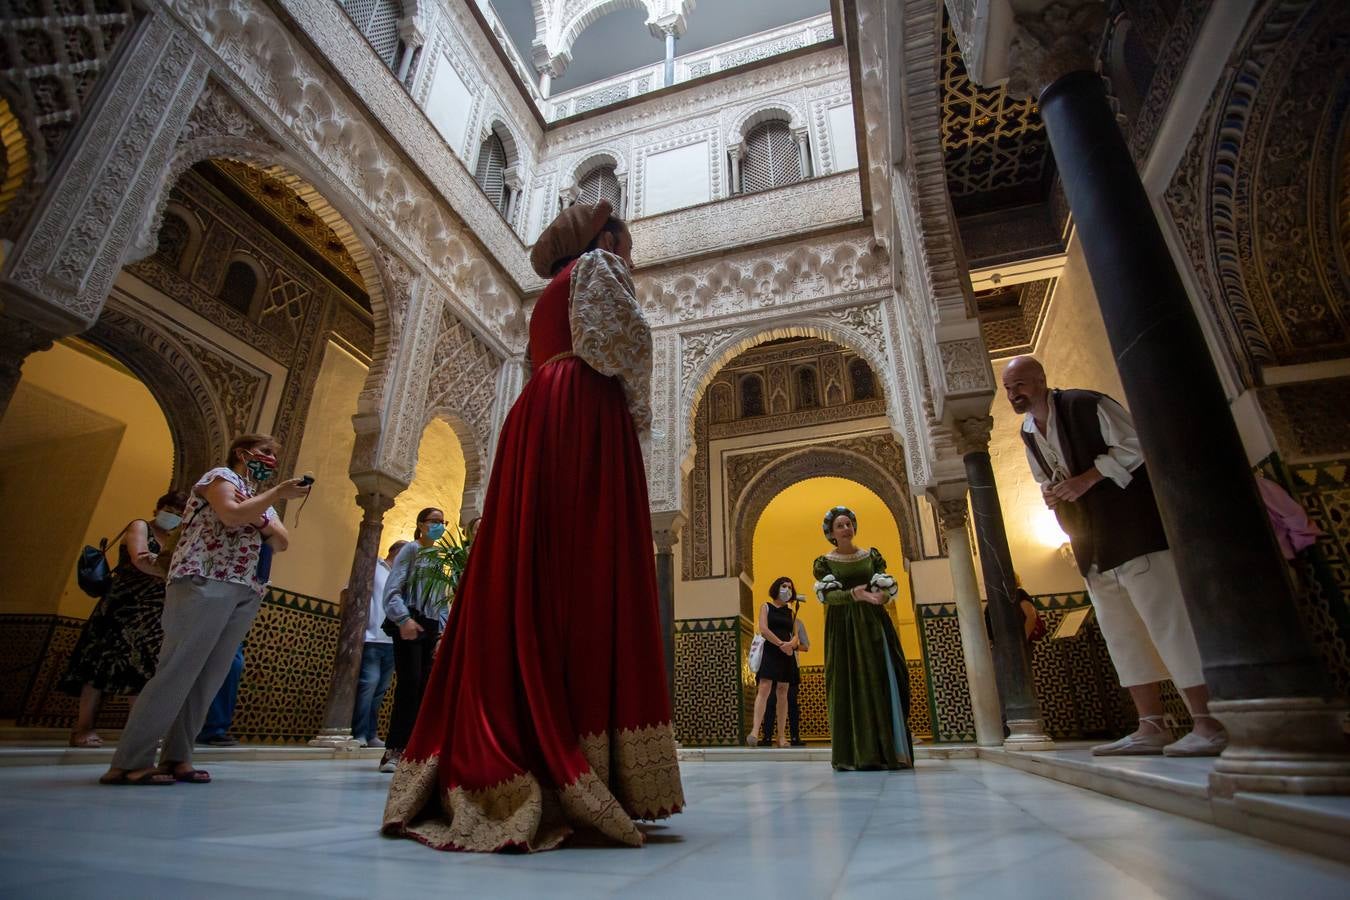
{"x": 119, "y": 644}
{"x": 415, "y": 610}
{"x": 212, "y": 596}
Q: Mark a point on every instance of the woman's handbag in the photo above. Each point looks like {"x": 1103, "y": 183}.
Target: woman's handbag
{"x": 756, "y": 652}
{"x": 92, "y": 571}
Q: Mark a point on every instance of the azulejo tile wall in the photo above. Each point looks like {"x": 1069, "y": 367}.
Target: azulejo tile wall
{"x": 708, "y": 660}
{"x": 1076, "y": 683}
{"x": 1321, "y": 573}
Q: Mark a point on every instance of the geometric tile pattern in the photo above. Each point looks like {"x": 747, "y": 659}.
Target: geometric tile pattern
{"x": 1075, "y": 682}
{"x": 1321, "y": 573}
{"x": 708, "y": 693}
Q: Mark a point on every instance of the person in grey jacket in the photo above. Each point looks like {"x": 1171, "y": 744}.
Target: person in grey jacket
{"x": 415, "y": 611}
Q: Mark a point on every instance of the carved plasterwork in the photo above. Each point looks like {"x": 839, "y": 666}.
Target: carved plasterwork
{"x": 1256, "y": 199}
{"x": 69, "y": 256}
{"x": 330, "y": 142}
{"x": 824, "y": 272}
{"x": 1173, "y": 49}
{"x": 816, "y": 203}
{"x": 965, "y": 366}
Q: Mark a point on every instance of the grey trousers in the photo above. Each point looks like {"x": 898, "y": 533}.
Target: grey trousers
{"x": 204, "y": 621}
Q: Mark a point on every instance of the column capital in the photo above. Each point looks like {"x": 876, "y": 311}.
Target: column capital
{"x": 737, "y": 149}
{"x": 953, "y": 513}
{"x": 972, "y": 434}
{"x": 673, "y": 24}
{"x": 412, "y": 31}
{"x": 1061, "y": 37}
{"x": 666, "y": 529}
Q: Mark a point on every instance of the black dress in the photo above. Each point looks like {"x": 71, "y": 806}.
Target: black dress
{"x": 776, "y": 665}
{"x": 119, "y": 645}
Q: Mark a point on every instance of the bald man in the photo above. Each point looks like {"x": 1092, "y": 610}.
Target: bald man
{"x": 1085, "y": 455}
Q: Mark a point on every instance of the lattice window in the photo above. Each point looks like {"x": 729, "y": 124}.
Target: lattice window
{"x": 174, "y": 236}
{"x": 752, "y": 396}
{"x": 771, "y": 158}
{"x": 860, "y": 376}
{"x": 808, "y": 388}
{"x": 378, "y": 21}
{"x": 600, "y": 184}
{"x": 491, "y": 171}
{"x": 239, "y": 287}
{"x": 284, "y": 303}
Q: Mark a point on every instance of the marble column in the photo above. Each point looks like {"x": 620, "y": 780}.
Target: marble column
{"x": 803, "y": 151}
{"x": 1012, "y": 660}
{"x": 337, "y": 716}
{"x": 670, "y": 58}
{"x": 666, "y": 528}
{"x": 18, "y": 339}
{"x": 1265, "y": 680}
{"x": 970, "y": 617}
{"x": 736, "y": 151}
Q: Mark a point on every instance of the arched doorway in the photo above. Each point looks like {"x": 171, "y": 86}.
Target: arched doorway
{"x": 85, "y": 448}
{"x": 786, "y": 539}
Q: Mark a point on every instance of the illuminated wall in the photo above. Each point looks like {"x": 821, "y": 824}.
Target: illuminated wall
{"x": 788, "y": 539}
{"x": 323, "y": 533}
{"x": 1075, "y": 352}
{"x": 438, "y": 481}
{"x": 84, "y": 449}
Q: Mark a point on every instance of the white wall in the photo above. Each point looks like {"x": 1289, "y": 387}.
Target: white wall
{"x": 677, "y": 178}
{"x": 449, "y": 105}
{"x": 843, "y": 137}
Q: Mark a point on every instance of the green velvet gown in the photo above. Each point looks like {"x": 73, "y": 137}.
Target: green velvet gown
{"x": 866, "y": 682}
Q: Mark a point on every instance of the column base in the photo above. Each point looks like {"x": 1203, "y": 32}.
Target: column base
{"x": 335, "y": 739}
{"x": 1027, "y": 734}
{"x": 1283, "y": 745}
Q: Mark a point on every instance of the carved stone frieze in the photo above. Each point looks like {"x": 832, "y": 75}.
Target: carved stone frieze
{"x": 1060, "y": 37}
{"x": 953, "y": 512}
{"x": 965, "y": 366}
{"x": 1255, "y": 196}
{"x": 69, "y": 257}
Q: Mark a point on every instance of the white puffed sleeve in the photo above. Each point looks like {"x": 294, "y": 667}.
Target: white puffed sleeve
{"x": 608, "y": 330}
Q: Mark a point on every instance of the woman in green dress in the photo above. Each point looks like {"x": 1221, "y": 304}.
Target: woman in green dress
{"x": 866, "y": 682}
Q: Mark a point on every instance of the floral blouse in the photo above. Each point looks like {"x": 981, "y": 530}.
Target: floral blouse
{"x": 207, "y": 547}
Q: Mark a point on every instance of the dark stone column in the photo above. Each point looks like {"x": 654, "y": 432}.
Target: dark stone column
{"x": 18, "y": 339}
{"x": 666, "y": 529}
{"x": 1267, "y": 683}
{"x": 337, "y": 716}
{"x": 1012, "y": 663}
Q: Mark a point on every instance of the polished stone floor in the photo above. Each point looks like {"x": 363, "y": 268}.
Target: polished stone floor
{"x": 954, "y": 828}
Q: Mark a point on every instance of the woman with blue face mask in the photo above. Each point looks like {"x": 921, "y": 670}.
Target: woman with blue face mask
{"x": 119, "y": 644}
{"x": 415, "y": 610}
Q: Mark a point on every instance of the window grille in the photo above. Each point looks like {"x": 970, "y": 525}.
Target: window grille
{"x": 378, "y": 21}
{"x": 771, "y": 158}
{"x": 600, "y": 184}
{"x": 808, "y": 393}
{"x": 491, "y": 171}
{"x": 240, "y": 284}
{"x": 864, "y": 385}
{"x": 752, "y": 396}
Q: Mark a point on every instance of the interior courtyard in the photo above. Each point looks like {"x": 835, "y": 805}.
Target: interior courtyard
{"x": 313, "y": 219}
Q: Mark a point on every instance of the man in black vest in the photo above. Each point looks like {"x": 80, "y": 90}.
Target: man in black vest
{"x": 1085, "y": 454}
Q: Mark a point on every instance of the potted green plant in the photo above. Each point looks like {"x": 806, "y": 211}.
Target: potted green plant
{"x": 446, "y": 561}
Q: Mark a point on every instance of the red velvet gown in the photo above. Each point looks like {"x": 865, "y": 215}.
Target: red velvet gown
{"x": 547, "y": 707}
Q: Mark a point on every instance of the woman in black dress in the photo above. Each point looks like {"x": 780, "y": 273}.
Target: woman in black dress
{"x": 120, "y": 642}
{"x": 778, "y": 666}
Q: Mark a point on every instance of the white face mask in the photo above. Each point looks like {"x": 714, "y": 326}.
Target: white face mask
{"x": 785, "y": 593}
{"x": 167, "y": 520}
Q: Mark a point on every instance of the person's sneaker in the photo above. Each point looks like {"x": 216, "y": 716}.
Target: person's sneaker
{"x": 362, "y": 742}
{"x": 223, "y": 740}
{"x": 389, "y": 762}
{"x": 374, "y": 744}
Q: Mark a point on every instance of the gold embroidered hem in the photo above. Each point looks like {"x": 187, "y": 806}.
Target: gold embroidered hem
{"x": 634, "y": 774}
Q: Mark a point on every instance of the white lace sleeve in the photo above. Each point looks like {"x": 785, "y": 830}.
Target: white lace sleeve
{"x": 608, "y": 330}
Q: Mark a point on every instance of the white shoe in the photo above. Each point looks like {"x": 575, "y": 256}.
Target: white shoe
{"x": 374, "y": 744}
{"x": 1198, "y": 745}
{"x": 1134, "y": 745}
{"x": 361, "y": 742}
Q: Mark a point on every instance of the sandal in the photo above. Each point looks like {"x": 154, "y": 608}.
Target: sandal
{"x": 89, "y": 741}
{"x": 191, "y": 776}
{"x": 148, "y": 777}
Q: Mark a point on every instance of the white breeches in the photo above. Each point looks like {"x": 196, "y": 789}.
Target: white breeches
{"x": 1144, "y": 621}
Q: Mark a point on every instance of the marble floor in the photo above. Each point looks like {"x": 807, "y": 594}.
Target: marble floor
{"x": 954, "y": 828}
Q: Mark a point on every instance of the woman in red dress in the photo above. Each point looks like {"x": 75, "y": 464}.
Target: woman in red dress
{"x": 547, "y": 710}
